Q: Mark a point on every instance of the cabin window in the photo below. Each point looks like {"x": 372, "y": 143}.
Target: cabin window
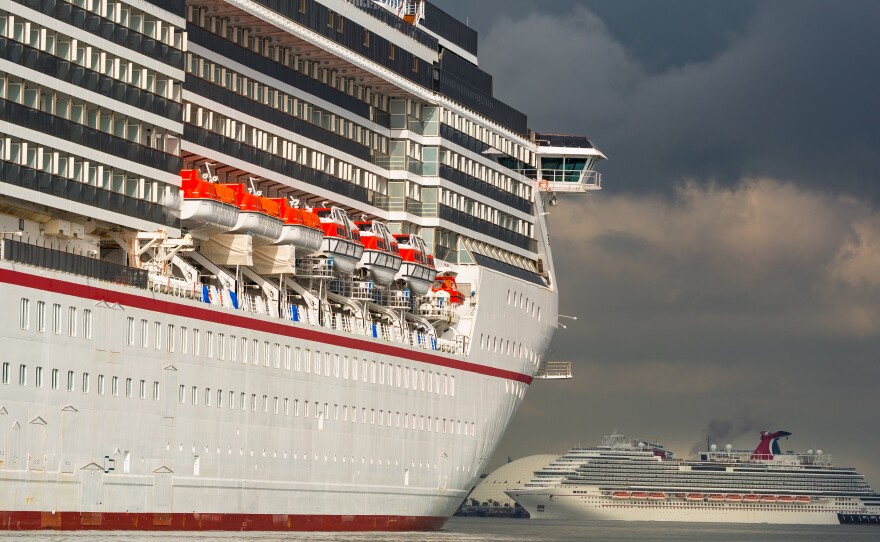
{"x": 181, "y": 394}
{"x": 143, "y": 389}
{"x": 86, "y": 381}
{"x": 55, "y": 373}
{"x": 157, "y": 329}
{"x": 128, "y": 388}
{"x": 114, "y": 386}
{"x": 100, "y": 384}
{"x": 25, "y": 313}
{"x": 87, "y": 324}
{"x": 38, "y": 377}
{"x": 129, "y": 331}
{"x": 144, "y": 334}
{"x": 71, "y": 321}
{"x": 56, "y": 319}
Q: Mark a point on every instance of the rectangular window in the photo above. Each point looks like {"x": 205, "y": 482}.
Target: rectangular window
{"x": 207, "y": 396}
{"x": 196, "y": 342}
{"x": 221, "y": 346}
{"x": 38, "y": 377}
{"x": 56, "y": 319}
{"x": 219, "y": 398}
{"x": 181, "y": 394}
{"x": 71, "y": 321}
{"x": 244, "y": 350}
{"x": 100, "y": 384}
{"x": 286, "y": 407}
{"x": 233, "y": 348}
{"x": 55, "y": 379}
{"x": 69, "y": 380}
{"x": 86, "y": 382}
{"x": 114, "y": 386}
{"x": 209, "y": 344}
{"x": 317, "y": 362}
{"x": 242, "y": 401}
{"x": 231, "y": 400}
{"x": 25, "y": 313}
{"x": 41, "y": 316}
{"x": 287, "y": 357}
{"x": 158, "y": 331}
{"x": 129, "y": 331}
{"x": 253, "y": 402}
{"x": 5, "y": 377}
{"x": 184, "y": 340}
{"x": 128, "y": 386}
{"x": 171, "y": 337}
{"x": 22, "y": 375}
{"x": 87, "y": 324}
{"x": 336, "y": 365}
{"x": 265, "y": 353}
{"x": 195, "y": 396}
{"x": 297, "y": 359}
{"x": 277, "y": 356}
{"x": 308, "y": 360}
{"x": 255, "y": 351}
{"x": 155, "y": 391}
{"x": 265, "y": 403}
{"x": 296, "y": 407}
{"x": 145, "y": 331}
{"x": 275, "y": 404}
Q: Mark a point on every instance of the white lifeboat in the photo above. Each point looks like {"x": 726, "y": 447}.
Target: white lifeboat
{"x": 418, "y": 268}
{"x": 208, "y": 208}
{"x": 381, "y": 255}
{"x": 341, "y": 241}
{"x": 258, "y": 216}
{"x": 302, "y": 228}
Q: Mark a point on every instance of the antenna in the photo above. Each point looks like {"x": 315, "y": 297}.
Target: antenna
{"x": 253, "y": 187}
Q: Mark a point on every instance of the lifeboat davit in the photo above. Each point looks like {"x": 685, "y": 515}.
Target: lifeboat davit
{"x": 381, "y": 256}
{"x": 301, "y": 228}
{"x": 258, "y": 216}
{"x": 417, "y": 270}
{"x": 341, "y": 241}
{"x": 208, "y": 208}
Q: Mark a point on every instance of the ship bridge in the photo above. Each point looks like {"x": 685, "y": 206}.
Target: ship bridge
{"x": 566, "y": 163}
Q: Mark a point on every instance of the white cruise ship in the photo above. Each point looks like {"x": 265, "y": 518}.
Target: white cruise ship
{"x": 267, "y": 264}
{"x": 640, "y": 481}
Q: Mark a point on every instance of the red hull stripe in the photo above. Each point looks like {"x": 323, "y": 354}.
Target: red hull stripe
{"x": 125, "y": 521}
{"x": 229, "y": 319}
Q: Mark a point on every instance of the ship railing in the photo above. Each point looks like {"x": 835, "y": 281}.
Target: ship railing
{"x": 435, "y": 308}
{"x": 175, "y": 286}
{"x": 362, "y": 290}
{"x": 314, "y": 268}
{"x": 73, "y": 263}
{"x": 393, "y": 299}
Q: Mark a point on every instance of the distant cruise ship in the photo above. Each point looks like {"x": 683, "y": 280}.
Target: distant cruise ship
{"x": 640, "y": 481}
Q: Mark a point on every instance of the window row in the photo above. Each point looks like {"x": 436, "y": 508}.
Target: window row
{"x": 253, "y": 402}
{"x": 485, "y": 212}
{"x": 222, "y": 346}
{"x": 487, "y": 136}
{"x": 509, "y": 348}
{"x": 485, "y": 173}
{"x": 287, "y": 56}
{"x": 296, "y": 107}
{"x": 83, "y": 383}
{"x": 88, "y": 56}
{"x": 266, "y": 141}
{"x": 517, "y": 299}
{"x": 82, "y": 170}
{"x": 135, "y": 19}
{"x": 75, "y": 326}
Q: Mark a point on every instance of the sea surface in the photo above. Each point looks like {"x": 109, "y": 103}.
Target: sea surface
{"x": 505, "y": 530}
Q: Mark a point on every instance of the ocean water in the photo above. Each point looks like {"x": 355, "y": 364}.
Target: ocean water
{"x": 505, "y": 530}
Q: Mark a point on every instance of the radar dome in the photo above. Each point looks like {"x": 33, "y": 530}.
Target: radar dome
{"x": 809, "y": 452}
{"x": 713, "y": 447}
{"x": 819, "y": 452}
{"x": 729, "y": 447}
{"x": 641, "y": 444}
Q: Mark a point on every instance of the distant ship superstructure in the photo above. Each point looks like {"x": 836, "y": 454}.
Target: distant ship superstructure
{"x": 640, "y": 481}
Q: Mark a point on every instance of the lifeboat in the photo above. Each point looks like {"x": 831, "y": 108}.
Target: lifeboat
{"x": 208, "y": 208}
{"x": 445, "y": 286}
{"x": 695, "y": 497}
{"x": 417, "y": 270}
{"x": 752, "y": 498}
{"x": 657, "y": 496}
{"x": 638, "y": 495}
{"x": 768, "y": 498}
{"x": 381, "y": 256}
{"x": 341, "y": 241}
{"x": 734, "y": 498}
{"x": 620, "y": 495}
{"x": 301, "y": 228}
{"x": 787, "y": 499}
{"x": 716, "y": 497}
{"x": 257, "y": 217}
{"x": 803, "y": 499}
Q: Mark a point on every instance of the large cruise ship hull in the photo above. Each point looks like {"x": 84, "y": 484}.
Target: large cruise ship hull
{"x": 110, "y": 437}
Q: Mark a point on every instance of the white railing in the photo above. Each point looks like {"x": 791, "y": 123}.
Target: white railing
{"x": 553, "y": 370}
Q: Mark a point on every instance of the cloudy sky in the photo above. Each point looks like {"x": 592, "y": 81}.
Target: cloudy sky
{"x": 727, "y": 277}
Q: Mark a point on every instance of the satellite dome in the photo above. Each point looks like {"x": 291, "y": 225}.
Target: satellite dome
{"x": 729, "y": 447}
{"x": 818, "y": 452}
{"x": 809, "y": 452}
{"x": 641, "y": 444}
{"x": 713, "y": 447}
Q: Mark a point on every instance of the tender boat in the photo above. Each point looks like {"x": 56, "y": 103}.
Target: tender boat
{"x": 734, "y": 498}
{"x": 258, "y": 216}
{"x": 716, "y": 497}
{"x": 803, "y": 499}
{"x": 639, "y": 496}
{"x": 417, "y": 270}
{"x": 786, "y": 499}
{"x": 620, "y": 495}
{"x": 381, "y": 258}
{"x": 657, "y": 496}
{"x": 341, "y": 241}
{"x": 695, "y": 497}
{"x": 752, "y": 498}
{"x": 208, "y": 208}
{"x": 302, "y": 228}
{"x": 445, "y": 286}
{"x": 768, "y": 498}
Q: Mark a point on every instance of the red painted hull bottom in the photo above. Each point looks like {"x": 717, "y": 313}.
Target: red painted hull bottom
{"x": 124, "y": 521}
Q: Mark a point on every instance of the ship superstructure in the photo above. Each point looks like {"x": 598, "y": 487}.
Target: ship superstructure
{"x": 641, "y": 481}
{"x": 268, "y": 264}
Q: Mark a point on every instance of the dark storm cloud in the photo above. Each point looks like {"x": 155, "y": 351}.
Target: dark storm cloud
{"x": 731, "y": 264}
{"x": 787, "y": 90}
